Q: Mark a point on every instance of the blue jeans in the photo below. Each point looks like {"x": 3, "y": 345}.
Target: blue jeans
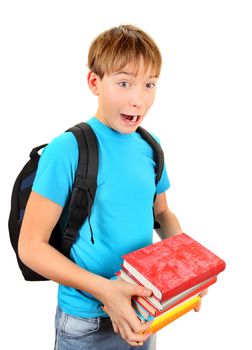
{"x": 75, "y": 333}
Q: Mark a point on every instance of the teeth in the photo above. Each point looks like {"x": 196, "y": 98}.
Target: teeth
{"x": 130, "y": 118}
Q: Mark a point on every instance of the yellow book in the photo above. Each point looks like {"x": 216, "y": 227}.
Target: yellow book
{"x": 170, "y": 316}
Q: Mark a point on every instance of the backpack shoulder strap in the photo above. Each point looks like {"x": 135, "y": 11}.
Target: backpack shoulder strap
{"x": 158, "y": 155}
{"x": 158, "y": 152}
{"x": 85, "y": 184}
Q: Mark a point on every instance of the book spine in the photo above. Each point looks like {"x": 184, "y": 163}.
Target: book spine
{"x": 152, "y": 310}
{"x": 141, "y": 312}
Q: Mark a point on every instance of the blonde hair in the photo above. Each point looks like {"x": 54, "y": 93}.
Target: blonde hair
{"x": 113, "y": 49}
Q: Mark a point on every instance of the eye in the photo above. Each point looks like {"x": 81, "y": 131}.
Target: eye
{"x": 150, "y": 85}
{"x": 124, "y": 83}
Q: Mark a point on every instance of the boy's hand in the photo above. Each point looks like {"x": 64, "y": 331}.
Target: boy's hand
{"x": 117, "y": 301}
{"x": 202, "y": 294}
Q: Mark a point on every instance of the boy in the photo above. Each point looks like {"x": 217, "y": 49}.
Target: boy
{"x": 124, "y": 65}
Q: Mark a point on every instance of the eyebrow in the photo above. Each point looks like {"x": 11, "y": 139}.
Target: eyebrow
{"x": 129, "y": 73}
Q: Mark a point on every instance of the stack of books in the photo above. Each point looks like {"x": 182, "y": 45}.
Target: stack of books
{"x": 176, "y": 269}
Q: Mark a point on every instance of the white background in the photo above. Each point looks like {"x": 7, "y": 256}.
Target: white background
{"x": 201, "y": 116}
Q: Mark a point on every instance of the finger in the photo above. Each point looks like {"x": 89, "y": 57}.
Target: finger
{"x": 122, "y": 332}
{"x": 138, "y": 290}
{"x": 203, "y": 293}
{"x": 197, "y": 308}
{"x": 133, "y": 321}
{"x": 145, "y": 328}
{"x": 133, "y": 337}
{"x": 116, "y": 330}
{"x": 135, "y": 343}
{"x": 135, "y": 324}
{"x": 132, "y": 329}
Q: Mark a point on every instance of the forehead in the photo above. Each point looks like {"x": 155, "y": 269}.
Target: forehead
{"x": 135, "y": 69}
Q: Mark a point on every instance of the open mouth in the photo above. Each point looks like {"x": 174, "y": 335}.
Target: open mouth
{"x": 131, "y": 119}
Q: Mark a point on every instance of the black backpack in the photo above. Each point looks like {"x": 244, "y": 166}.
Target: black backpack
{"x": 82, "y": 197}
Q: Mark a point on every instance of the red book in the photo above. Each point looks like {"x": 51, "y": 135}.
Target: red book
{"x": 155, "y": 307}
{"x": 172, "y": 265}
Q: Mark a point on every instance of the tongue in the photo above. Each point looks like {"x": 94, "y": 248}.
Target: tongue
{"x": 129, "y": 117}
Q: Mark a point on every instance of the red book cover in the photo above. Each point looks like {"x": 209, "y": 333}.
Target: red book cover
{"x": 171, "y": 266}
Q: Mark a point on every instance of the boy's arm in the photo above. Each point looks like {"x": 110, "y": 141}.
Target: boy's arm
{"x": 41, "y": 215}
{"x": 169, "y": 224}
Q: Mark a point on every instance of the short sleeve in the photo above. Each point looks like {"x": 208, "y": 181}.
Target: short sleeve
{"x": 164, "y": 182}
{"x": 56, "y": 169}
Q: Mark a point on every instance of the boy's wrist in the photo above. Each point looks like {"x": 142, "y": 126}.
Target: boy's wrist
{"x": 101, "y": 289}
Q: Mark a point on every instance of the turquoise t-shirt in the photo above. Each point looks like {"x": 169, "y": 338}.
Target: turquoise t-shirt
{"x": 121, "y": 217}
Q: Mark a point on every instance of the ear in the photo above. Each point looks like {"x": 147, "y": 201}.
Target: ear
{"x": 93, "y": 82}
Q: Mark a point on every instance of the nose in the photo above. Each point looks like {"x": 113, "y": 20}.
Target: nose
{"x": 137, "y": 98}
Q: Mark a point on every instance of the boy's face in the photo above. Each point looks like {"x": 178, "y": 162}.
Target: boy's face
{"x": 124, "y": 98}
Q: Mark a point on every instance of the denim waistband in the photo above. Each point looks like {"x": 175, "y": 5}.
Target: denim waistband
{"x": 98, "y": 319}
